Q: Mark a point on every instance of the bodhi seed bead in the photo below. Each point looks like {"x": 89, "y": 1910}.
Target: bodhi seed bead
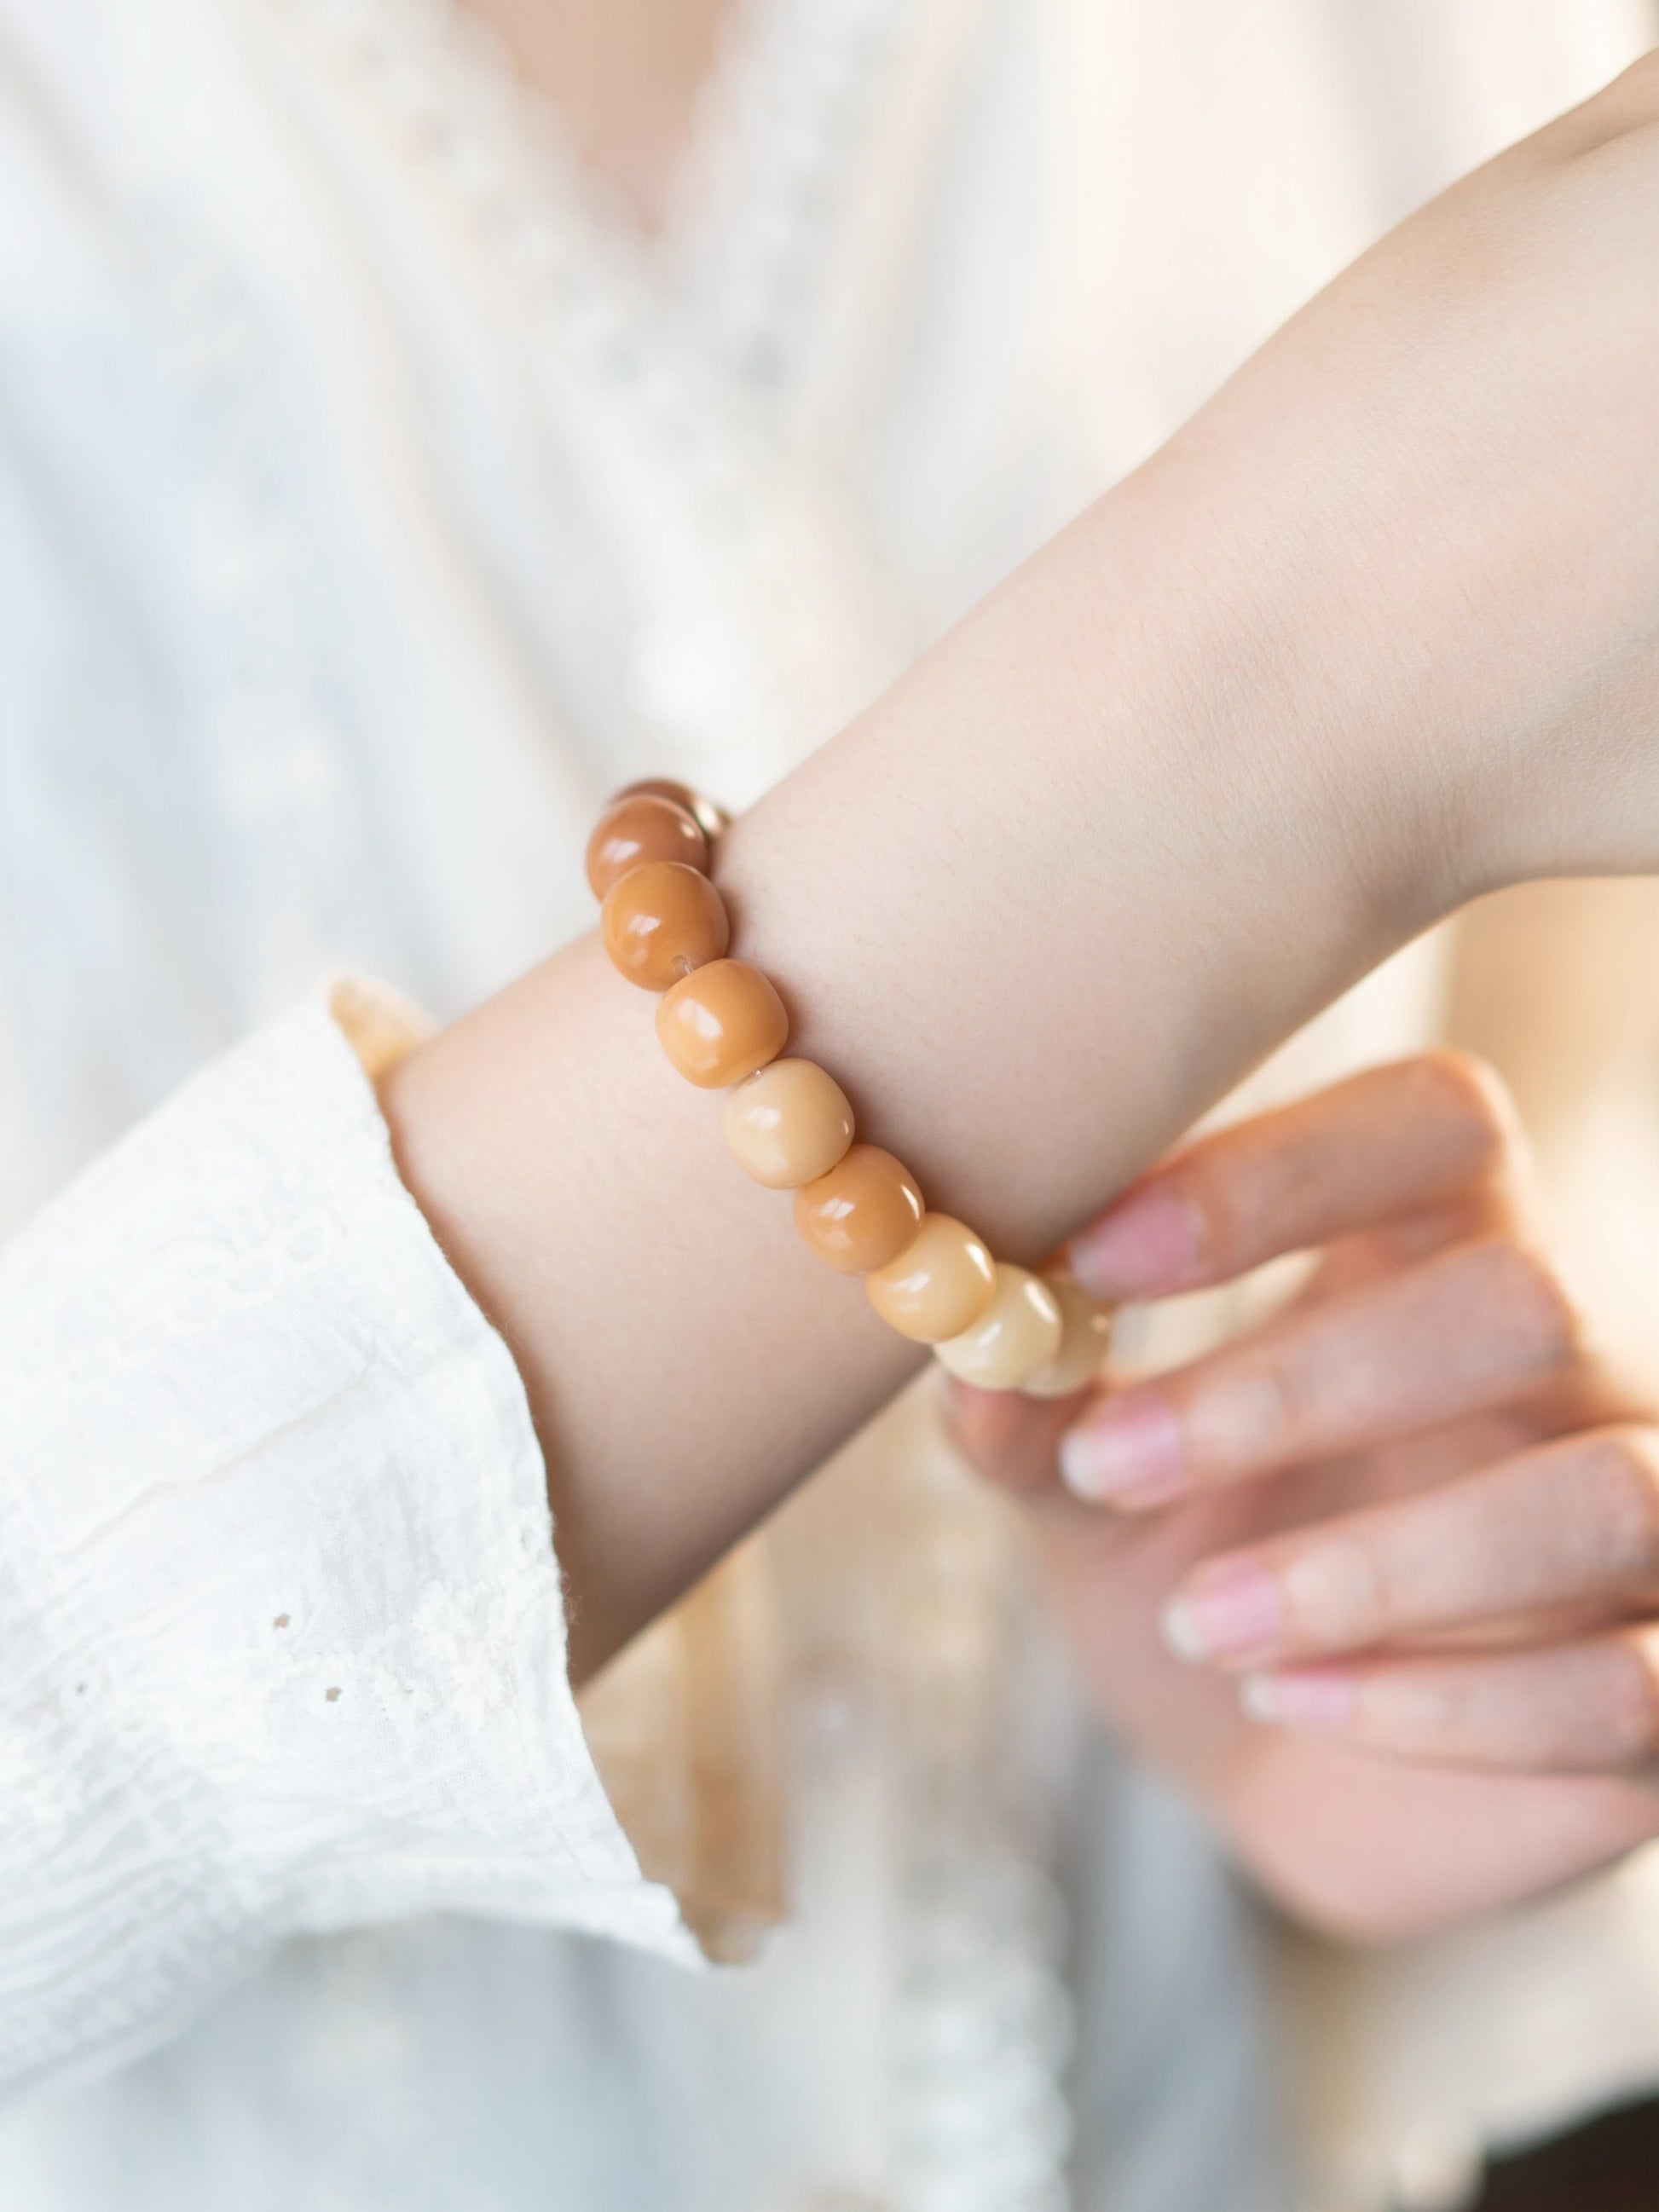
{"x": 1015, "y": 1338}
{"x": 789, "y": 1124}
{"x": 939, "y": 1286}
{"x": 710, "y": 819}
{"x": 1085, "y": 1338}
{"x": 862, "y": 1213}
{"x": 646, "y": 827}
{"x": 661, "y": 921}
{"x": 721, "y": 1023}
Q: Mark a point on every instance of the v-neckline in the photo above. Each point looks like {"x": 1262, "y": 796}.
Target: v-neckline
{"x": 759, "y": 187}
{"x": 648, "y": 230}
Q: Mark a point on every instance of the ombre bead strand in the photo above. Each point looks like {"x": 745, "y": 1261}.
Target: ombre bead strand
{"x": 789, "y": 1124}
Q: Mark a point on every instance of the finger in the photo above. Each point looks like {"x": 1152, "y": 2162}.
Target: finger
{"x": 1571, "y": 1523}
{"x": 1007, "y": 1438}
{"x": 1567, "y": 1709}
{"x": 1360, "y": 1258}
{"x": 1474, "y": 1327}
{"x": 1402, "y": 1139}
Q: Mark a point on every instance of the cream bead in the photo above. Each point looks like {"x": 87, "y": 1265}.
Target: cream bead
{"x": 789, "y": 1125}
{"x": 938, "y": 1286}
{"x": 1015, "y": 1338}
{"x": 1085, "y": 1339}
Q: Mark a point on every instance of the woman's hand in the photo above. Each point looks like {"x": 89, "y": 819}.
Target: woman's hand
{"x": 1403, "y": 1541}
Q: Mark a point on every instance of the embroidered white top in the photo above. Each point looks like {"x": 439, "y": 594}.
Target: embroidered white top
{"x": 370, "y": 504}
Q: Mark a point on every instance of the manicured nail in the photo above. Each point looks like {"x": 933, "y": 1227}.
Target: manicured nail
{"x": 1127, "y": 1451}
{"x": 1225, "y": 1612}
{"x": 1150, "y": 1243}
{"x": 1311, "y": 1697}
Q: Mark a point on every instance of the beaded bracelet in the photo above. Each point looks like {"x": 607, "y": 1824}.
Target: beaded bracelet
{"x": 788, "y": 1122}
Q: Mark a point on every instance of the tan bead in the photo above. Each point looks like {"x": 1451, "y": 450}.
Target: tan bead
{"x": 662, "y": 919}
{"x": 722, "y": 1023}
{"x": 710, "y": 819}
{"x": 1015, "y": 1338}
{"x": 789, "y": 1124}
{"x": 644, "y": 828}
{"x": 938, "y": 1286}
{"x": 1085, "y": 1339}
{"x": 862, "y": 1213}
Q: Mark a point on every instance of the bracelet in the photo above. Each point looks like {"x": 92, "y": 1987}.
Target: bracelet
{"x": 788, "y": 1122}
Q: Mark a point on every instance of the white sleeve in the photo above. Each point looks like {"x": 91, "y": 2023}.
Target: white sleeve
{"x": 282, "y": 1638}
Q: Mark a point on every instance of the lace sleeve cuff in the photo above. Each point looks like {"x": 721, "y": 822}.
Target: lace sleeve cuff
{"x": 282, "y": 1638}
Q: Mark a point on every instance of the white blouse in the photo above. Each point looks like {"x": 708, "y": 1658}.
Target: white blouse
{"x": 370, "y": 504}
{"x": 283, "y": 1637}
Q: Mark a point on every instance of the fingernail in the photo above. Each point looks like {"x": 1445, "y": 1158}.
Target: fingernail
{"x": 1225, "y": 1612}
{"x": 1311, "y": 1697}
{"x": 1149, "y": 1244}
{"x": 1127, "y": 1451}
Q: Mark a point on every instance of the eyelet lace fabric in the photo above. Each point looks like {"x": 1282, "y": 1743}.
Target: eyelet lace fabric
{"x": 213, "y": 1736}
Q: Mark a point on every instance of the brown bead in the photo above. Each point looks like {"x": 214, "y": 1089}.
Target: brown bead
{"x": 722, "y": 1023}
{"x": 863, "y": 1213}
{"x": 789, "y": 1124}
{"x": 938, "y": 1286}
{"x": 1016, "y": 1337}
{"x": 641, "y": 828}
{"x": 710, "y": 819}
{"x": 661, "y": 921}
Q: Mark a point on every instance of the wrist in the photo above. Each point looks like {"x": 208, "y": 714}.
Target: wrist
{"x": 1042, "y": 906}
{"x": 1101, "y": 773}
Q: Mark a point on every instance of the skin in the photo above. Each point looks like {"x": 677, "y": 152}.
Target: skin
{"x": 1379, "y": 629}
{"x": 625, "y": 80}
{"x": 1416, "y": 1519}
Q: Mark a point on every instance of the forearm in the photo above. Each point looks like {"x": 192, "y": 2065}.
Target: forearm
{"x": 1044, "y": 903}
{"x": 1376, "y": 631}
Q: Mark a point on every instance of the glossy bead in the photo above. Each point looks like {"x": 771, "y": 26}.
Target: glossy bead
{"x": 862, "y": 1213}
{"x": 721, "y": 1023}
{"x": 644, "y": 828}
{"x": 789, "y": 1124}
{"x": 1014, "y": 1338}
{"x": 710, "y": 819}
{"x": 1085, "y": 1339}
{"x": 662, "y": 919}
{"x": 938, "y": 1286}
